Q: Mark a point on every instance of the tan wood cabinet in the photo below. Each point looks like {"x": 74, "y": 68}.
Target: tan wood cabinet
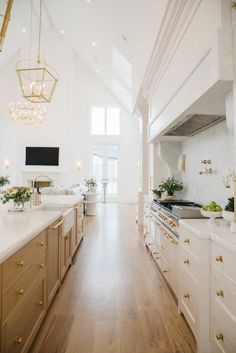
{"x": 30, "y": 278}
{"x": 53, "y": 263}
{"x": 65, "y": 253}
{"x": 23, "y": 295}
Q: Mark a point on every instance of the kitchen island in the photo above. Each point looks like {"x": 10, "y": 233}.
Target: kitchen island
{"x": 36, "y": 250}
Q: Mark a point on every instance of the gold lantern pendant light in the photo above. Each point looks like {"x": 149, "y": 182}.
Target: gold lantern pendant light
{"x": 5, "y": 12}
{"x": 37, "y": 79}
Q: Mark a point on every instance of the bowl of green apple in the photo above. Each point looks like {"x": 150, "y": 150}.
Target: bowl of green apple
{"x": 212, "y": 211}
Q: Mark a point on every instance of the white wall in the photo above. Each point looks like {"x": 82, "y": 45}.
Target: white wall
{"x": 216, "y": 144}
{"x": 66, "y": 123}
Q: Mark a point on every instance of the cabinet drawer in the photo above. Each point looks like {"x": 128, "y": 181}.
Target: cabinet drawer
{"x": 17, "y": 291}
{"x": 221, "y": 341}
{"x": 189, "y": 262}
{"x": 22, "y": 259}
{"x": 189, "y": 241}
{"x": 224, "y": 293}
{"x": 18, "y": 331}
{"x": 188, "y": 297}
{"x": 223, "y": 260}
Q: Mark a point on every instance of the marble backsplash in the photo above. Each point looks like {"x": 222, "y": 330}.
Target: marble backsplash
{"x": 216, "y": 144}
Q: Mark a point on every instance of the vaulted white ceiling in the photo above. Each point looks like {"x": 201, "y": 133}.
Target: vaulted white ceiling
{"x": 114, "y": 38}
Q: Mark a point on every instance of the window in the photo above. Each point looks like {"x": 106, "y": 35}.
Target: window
{"x": 105, "y": 121}
{"x": 105, "y": 166}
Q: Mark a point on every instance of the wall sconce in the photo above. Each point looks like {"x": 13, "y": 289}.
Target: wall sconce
{"x": 7, "y": 164}
{"x": 78, "y": 165}
{"x": 207, "y": 167}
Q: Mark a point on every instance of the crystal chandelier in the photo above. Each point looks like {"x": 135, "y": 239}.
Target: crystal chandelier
{"x": 27, "y": 113}
{"x": 37, "y": 79}
{"x": 5, "y": 12}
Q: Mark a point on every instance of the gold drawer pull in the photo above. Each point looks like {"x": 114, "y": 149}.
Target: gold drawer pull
{"x": 220, "y": 336}
{"x": 219, "y": 258}
{"x": 42, "y": 245}
{"x": 186, "y": 261}
{"x": 186, "y": 241}
{"x": 186, "y": 295}
{"x": 20, "y": 291}
{"x": 165, "y": 271}
{"x": 21, "y": 263}
{"x": 40, "y": 302}
{"x": 220, "y": 293}
{"x": 41, "y": 265}
{"x": 18, "y": 340}
{"x": 57, "y": 225}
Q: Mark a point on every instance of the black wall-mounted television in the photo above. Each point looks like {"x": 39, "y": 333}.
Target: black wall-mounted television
{"x": 47, "y": 156}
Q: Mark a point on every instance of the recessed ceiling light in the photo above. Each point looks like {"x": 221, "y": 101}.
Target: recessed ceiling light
{"x": 23, "y": 30}
{"x": 62, "y": 31}
{"x": 94, "y": 44}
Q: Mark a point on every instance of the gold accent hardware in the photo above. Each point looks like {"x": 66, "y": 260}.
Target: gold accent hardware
{"x": 21, "y": 263}
{"x": 186, "y": 241}
{"x": 219, "y": 258}
{"x": 61, "y": 220}
{"x": 220, "y": 293}
{"x": 157, "y": 257}
{"x": 165, "y": 271}
{"x": 41, "y": 265}
{"x": 20, "y": 291}
{"x": 220, "y": 336}
{"x": 186, "y": 295}
{"x": 5, "y": 18}
{"x": 186, "y": 261}
{"x": 18, "y": 340}
{"x": 40, "y": 302}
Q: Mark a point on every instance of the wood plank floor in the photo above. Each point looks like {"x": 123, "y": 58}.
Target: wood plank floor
{"x": 113, "y": 299}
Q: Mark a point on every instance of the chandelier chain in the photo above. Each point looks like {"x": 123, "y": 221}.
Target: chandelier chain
{"x": 40, "y": 29}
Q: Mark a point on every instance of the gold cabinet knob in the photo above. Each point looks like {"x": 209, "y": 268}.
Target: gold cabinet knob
{"x": 40, "y": 302}
{"x": 219, "y": 258}
{"x": 220, "y": 336}
{"x": 41, "y": 265}
{"x": 20, "y": 291}
{"x": 18, "y": 340}
{"x": 220, "y": 293}
{"x": 21, "y": 263}
{"x": 165, "y": 271}
{"x": 42, "y": 245}
{"x": 186, "y": 241}
{"x": 186, "y": 261}
{"x": 186, "y": 295}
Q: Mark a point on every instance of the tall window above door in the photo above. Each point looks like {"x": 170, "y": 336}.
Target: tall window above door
{"x": 105, "y": 121}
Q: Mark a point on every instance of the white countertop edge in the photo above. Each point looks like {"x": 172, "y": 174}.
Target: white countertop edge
{"x": 18, "y": 245}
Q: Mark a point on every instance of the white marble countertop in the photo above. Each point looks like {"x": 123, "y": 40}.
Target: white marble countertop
{"x": 18, "y": 228}
{"x": 219, "y": 233}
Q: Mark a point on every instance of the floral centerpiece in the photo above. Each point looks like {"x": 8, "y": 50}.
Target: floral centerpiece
{"x": 19, "y": 195}
{"x": 91, "y": 185}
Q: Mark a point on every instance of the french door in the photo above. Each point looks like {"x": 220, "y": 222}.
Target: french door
{"x": 105, "y": 166}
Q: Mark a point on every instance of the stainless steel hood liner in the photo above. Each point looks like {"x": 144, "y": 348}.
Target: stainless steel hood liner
{"x": 194, "y": 124}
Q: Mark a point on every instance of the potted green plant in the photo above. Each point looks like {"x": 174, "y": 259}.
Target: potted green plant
{"x": 18, "y": 195}
{"x": 171, "y": 185}
{"x": 91, "y": 185}
{"x": 157, "y": 193}
{"x": 4, "y": 180}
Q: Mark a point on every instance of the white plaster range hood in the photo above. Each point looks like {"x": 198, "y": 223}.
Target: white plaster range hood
{"x": 193, "y": 124}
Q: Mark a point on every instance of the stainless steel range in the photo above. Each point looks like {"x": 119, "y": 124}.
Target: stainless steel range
{"x": 168, "y": 212}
